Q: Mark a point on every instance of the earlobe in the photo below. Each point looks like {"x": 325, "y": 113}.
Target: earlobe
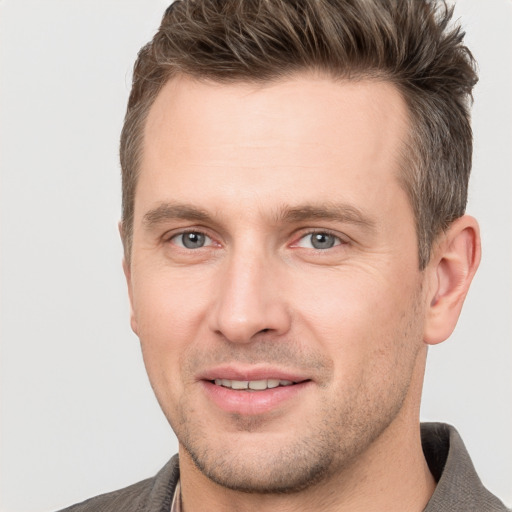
{"x": 452, "y": 267}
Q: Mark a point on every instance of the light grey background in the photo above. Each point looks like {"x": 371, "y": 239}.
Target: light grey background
{"x": 78, "y": 416}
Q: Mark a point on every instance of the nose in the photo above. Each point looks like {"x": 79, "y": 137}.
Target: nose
{"x": 250, "y": 299}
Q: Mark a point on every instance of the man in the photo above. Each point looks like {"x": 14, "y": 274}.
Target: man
{"x": 294, "y": 185}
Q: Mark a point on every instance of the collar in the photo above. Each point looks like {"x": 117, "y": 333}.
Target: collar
{"x": 458, "y": 485}
{"x": 176, "y": 499}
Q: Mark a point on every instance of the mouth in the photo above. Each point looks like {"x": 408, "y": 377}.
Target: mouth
{"x": 253, "y": 385}
{"x": 253, "y": 391}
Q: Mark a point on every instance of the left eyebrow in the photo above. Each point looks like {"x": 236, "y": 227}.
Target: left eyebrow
{"x": 337, "y": 212}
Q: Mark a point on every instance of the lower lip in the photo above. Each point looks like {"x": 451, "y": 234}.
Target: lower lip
{"x": 252, "y": 402}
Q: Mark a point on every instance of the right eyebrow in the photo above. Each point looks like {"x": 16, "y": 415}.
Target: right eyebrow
{"x": 172, "y": 211}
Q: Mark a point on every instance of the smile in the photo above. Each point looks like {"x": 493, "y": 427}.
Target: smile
{"x": 252, "y": 385}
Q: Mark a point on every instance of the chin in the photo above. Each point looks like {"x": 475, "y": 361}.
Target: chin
{"x": 287, "y": 470}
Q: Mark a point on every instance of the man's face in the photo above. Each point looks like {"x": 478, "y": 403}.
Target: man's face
{"x": 274, "y": 275}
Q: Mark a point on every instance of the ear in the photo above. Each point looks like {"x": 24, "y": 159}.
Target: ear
{"x": 128, "y": 276}
{"x": 451, "y": 269}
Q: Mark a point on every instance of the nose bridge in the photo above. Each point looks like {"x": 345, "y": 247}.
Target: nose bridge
{"x": 248, "y": 299}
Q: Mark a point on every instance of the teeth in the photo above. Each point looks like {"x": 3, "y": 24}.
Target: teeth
{"x": 258, "y": 385}
{"x": 239, "y": 384}
{"x": 255, "y": 385}
{"x": 272, "y": 383}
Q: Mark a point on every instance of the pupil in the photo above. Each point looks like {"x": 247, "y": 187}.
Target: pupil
{"x": 193, "y": 240}
{"x": 322, "y": 241}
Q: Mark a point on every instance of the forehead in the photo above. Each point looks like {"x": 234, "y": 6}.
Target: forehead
{"x": 287, "y": 140}
{"x": 245, "y": 113}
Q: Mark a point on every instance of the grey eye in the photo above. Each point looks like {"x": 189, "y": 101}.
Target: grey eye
{"x": 322, "y": 240}
{"x": 191, "y": 240}
{"x": 319, "y": 240}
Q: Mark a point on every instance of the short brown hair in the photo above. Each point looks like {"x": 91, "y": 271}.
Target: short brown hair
{"x": 409, "y": 43}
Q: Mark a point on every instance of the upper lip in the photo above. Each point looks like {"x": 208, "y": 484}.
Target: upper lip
{"x": 251, "y": 373}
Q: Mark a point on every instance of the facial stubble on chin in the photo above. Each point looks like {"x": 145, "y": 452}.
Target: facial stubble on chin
{"x": 281, "y": 470}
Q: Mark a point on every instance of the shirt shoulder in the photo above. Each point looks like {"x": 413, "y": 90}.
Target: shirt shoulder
{"x": 150, "y": 495}
{"x": 128, "y": 499}
{"x": 458, "y": 486}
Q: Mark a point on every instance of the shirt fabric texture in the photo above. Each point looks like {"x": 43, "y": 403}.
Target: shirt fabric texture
{"x": 458, "y": 489}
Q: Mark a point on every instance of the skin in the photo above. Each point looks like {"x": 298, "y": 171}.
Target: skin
{"x": 257, "y": 169}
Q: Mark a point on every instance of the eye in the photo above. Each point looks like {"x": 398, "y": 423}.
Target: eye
{"x": 319, "y": 240}
{"x": 191, "y": 240}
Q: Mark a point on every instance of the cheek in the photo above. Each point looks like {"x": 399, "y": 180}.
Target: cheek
{"x": 169, "y": 313}
{"x": 167, "y": 304}
{"x": 359, "y": 318}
